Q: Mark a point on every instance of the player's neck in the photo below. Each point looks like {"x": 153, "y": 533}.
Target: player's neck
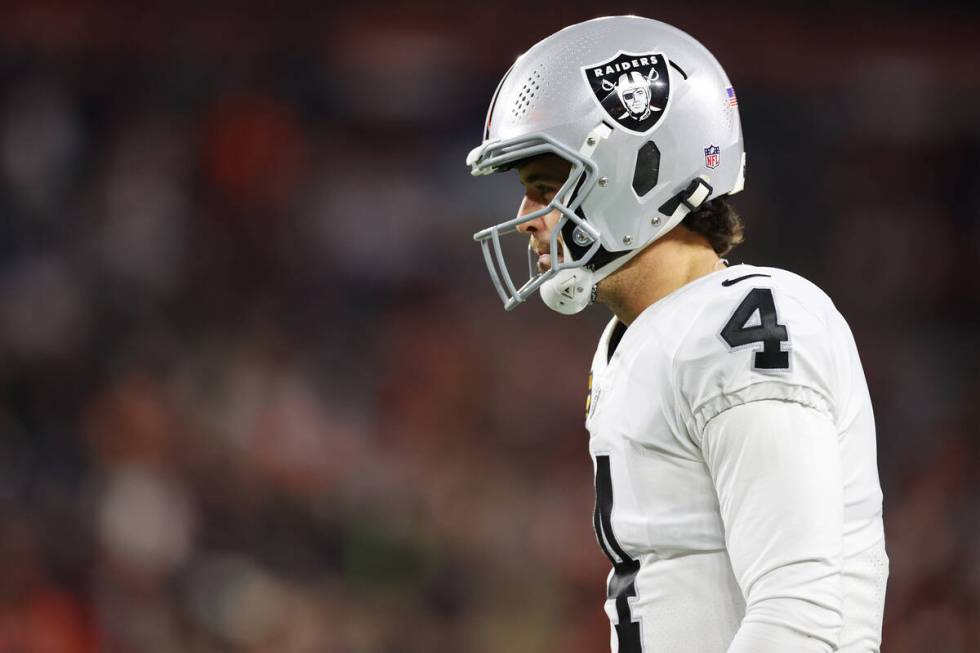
{"x": 672, "y": 262}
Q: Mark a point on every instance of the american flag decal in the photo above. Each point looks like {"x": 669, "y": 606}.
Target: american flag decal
{"x": 732, "y": 100}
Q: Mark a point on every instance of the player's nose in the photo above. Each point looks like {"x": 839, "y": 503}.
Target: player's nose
{"x": 535, "y": 226}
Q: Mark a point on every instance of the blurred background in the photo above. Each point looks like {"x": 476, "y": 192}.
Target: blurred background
{"x": 258, "y": 393}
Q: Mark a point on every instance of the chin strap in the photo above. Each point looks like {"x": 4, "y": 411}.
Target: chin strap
{"x": 571, "y": 290}
{"x": 678, "y": 206}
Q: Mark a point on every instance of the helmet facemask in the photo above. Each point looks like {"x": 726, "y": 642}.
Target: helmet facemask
{"x": 504, "y": 155}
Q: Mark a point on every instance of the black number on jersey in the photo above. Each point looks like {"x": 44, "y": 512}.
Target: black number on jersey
{"x": 767, "y": 330}
{"x": 622, "y": 585}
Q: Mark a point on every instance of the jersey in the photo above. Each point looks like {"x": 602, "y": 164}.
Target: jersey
{"x": 743, "y": 336}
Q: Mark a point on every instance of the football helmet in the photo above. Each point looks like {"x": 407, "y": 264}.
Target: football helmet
{"x": 648, "y": 122}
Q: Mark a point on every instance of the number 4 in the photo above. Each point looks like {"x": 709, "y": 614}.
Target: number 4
{"x": 766, "y": 330}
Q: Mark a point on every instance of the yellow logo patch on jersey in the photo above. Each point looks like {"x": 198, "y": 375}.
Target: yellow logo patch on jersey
{"x": 588, "y": 398}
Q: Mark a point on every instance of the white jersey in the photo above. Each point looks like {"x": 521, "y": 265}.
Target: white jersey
{"x": 712, "y": 530}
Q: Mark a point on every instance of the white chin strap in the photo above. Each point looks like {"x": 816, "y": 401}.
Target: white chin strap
{"x": 572, "y": 289}
{"x": 569, "y": 291}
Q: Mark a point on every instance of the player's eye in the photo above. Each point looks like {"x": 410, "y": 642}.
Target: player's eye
{"x": 546, "y": 191}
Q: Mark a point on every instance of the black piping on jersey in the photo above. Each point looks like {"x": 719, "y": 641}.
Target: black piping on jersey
{"x": 622, "y": 585}
{"x": 732, "y": 282}
{"x": 614, "y": 339}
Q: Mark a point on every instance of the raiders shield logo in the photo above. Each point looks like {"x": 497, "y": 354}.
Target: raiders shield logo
{"x": 632, "y": 88}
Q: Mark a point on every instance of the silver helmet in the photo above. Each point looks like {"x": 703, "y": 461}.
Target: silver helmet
{"x": 649, "y": 122}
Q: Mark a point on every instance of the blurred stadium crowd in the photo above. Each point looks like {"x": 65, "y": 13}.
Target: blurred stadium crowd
{"x": 258, "y": 393}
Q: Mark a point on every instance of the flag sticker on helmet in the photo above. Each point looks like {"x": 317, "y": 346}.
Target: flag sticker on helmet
{"x": 633, "y": 89}
{"x": 732, "y": 100}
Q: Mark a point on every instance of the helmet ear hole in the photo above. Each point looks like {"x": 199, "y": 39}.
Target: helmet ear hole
{"x": 647, "y": 170}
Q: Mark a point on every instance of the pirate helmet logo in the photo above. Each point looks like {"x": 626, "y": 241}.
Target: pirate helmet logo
{"x": 633, "y": 89}
{"x": 634, "y": 92}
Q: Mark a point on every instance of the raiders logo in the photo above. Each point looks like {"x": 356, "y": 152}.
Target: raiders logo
{"x": 632, "y": 88}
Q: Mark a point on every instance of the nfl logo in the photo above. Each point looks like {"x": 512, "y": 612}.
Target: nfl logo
{"x": 712, "y": 156}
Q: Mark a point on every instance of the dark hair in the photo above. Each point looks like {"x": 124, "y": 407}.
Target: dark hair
{"x": 718, "y": 222}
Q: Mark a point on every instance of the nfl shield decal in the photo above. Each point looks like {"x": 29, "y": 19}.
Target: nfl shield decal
{"x": 633, "y": 89}
{"x": 712, "y": 156}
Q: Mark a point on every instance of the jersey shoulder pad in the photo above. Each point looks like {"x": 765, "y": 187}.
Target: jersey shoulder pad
{"x": 759, "y": 333}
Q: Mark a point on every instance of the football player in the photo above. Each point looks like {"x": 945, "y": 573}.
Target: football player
{"x": 731, "y": 431}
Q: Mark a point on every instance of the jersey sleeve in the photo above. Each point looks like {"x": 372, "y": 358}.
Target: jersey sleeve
{"x": 762, "y": 339}
{"x": 776, "y": 470}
